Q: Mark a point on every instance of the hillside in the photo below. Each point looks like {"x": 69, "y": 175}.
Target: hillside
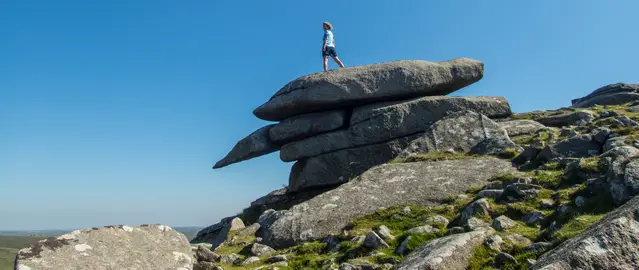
{"x": 9, "y": 246}
{"x": 391, "y": 173}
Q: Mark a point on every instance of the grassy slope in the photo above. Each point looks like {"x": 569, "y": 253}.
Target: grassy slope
{"x": 9, "y": 245}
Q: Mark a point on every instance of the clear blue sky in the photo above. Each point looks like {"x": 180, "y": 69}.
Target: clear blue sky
{"x": 113, "y": 112}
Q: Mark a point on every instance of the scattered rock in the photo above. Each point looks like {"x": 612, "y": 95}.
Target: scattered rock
{"x": 600, "y": 135}
{"x": 205, "y": 266}
{"x": 230, "y": 259}
{"x": 261, "y": 250}
{"x": 250, "y": 230}
{"x": 332, "y": 243}
{"x": 494, "y": 146}
{"x": 122, "y": 247}
{"x": 547, "y": 204}
{"x": 578, "y": 118}
{"x": 401, "y": 249}
{"x": 278, "y": 258}
{"x": 581, "y": 146}
{"x": 502, "y": 223}
{"x": 479, "y": 207}
{"x": 254, "y": 145}
{"x": 533, "y": 218}
{"x": 438, "y": 221}
{"x": 474, "y": 223}
{"x": 521, "y": 127}
{"x": 606, "y": 113}
{"x": 250, "y": 260}
{"x": 423, "y": 229}
{"x": 406, "y": 210}
{"x": 518, "y": 239}
{"x": 580, "y": 201}
{"x": 385, "y": 233}
{"x": 626, "y": 121}
{"x": 490, "y": 193}
{"x": 494, "y": 242}
{"x": 359, "y": 85}
{"x": 236, "y": 224}
{"x": 612, "y": 94}
{"x": 449, "y": 252}
{"x": 503, "y": 258}
{"x": 373, "y": 241}
{"x": 518, "y": 192}
{"x": 204, "y": 254}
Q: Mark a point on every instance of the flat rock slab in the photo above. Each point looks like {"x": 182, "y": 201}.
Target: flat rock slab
{"x": 419, "y": 183}
{"x": 359, "y": 85}
{"x": 306, "y": 125}
{"x": 113, "y": 247}
{"x": 447, "y": 253}
{"x": 561, "y": 119}
{"x": 610, "y": 243}
{"x": 521, "y": 127}
{"x": 385, "y": 121}
{"x": 254, "y": 145}
{"x": 612, "y": 94}
{"x": 339, "y": 167}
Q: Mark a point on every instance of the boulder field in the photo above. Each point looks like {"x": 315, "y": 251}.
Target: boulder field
{"x": 390, "y": 172}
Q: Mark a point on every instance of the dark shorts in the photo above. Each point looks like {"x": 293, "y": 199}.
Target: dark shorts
{"x": 329, "y": 51}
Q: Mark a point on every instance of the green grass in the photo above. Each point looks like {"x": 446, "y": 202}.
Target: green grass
{"x": 575, "y": 226}
{"x": 9, "y": 246}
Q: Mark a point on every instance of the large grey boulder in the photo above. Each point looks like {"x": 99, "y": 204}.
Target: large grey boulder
{"x": 460, "y": 131}
{"x": 385, "y": 121}
{"x": 354, "y": 86}
{"x": 339, "y": 167}
{"x": 521, "y": 127}
{"x": 306, "y": 125}
{"x": 612, "y": 94}
{"x": 610, "y": 243}
{"x": 419, "y": 183}
{"x": 254, "y": 145}
{"x": 215, "y": 234}
{"x": 561, "y": 119}
{"x": 112, "y": 247}
{"x": 447, "y": 253}
{"x": 580, "y": 146}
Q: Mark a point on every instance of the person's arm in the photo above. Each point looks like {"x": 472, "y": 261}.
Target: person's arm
{"x": 325, "y": 41}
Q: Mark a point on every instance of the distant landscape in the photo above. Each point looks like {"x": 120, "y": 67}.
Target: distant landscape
{"x": 12, "y": 241}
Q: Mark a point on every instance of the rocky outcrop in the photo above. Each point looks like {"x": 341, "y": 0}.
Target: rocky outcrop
{"x": 450, "y": 252}
{"x": 613, "y": 94}
{"x": 254, "y": 145}
{"x": 386, "y": 121}
{"x": 336, "y": 125}
{"x": 353, "y": 86}
{"x": 112, "y": 247}
{"x": 610, "y": 243}
{"x": 420, "y": 183}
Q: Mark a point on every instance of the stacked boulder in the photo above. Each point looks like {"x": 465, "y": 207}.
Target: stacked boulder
{"x": 336, "y": 125}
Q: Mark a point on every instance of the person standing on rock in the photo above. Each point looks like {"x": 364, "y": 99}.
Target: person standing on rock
{"x": 328, "y": 47}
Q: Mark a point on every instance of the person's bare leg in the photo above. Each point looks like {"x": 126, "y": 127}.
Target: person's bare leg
{"x": 339, "y": 62}
{"x": 325, "y": 63}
